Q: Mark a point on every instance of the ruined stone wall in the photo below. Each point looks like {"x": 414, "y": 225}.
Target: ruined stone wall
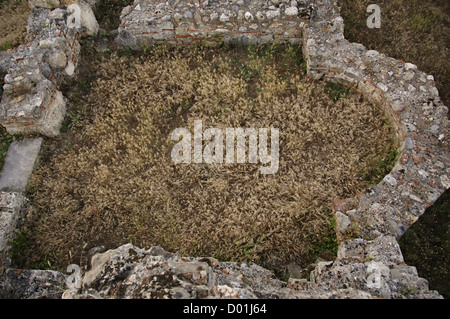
{"x": 31, "y": 101}
{"x": 369, "y": 262}
{"x": 227, "y": 21}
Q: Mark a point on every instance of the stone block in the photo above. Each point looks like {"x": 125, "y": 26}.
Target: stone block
{"x": 19, "y": 163}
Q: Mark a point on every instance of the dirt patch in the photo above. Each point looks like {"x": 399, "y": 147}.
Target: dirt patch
{"x": 13, "y": 23}
{"x": 110, "y": 179}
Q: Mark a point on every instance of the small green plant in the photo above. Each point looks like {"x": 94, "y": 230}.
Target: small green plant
{"x": 294, "y": 52}
{"x": 201, "y": 45}
{"x": 328, "y": 242}
{"x": 379, "y": 167}
{"x": 248, "y": 72}
{"x": 149, "y": 49}
{"x": 336, "y": 90}
{"x": 282, "y": 276}
{"x": 6, "y": 46}
{"x": 74, "y": 120}
{"x": 220, "y": 42}
{"x": 45, "y": 263}
{"x": 130, "y": 52}
{"x": 68, "y": 145}
{"x": 352, "y": 232}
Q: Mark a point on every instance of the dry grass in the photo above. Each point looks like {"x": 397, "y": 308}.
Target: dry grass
{"x": 116, "y": 183}
{"x": 13, "y": 22}
{"x": 415, "y": 31}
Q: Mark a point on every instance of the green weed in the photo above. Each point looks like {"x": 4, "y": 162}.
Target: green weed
{"x": 6, "y": 46}
{"x": 336, "y": 90}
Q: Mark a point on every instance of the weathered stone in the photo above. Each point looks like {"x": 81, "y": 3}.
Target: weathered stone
{"x": 69, "y": 70}
{"x": 12, "y": 210}
{"x": 224, "y": 18}
{"x": 260, "y": 15}
{"x": 31, "y": 284}
{"x": 35, "y": 71}
{"x": 81, "y": 15}
{"x": 342, "y": 224}
{"x": 408, "y": 76}
{"x": 136, "y": 32}
{"x": 157, "y": 274}
{"x": 273, "y": 14}
{"x": 291, "y": 11}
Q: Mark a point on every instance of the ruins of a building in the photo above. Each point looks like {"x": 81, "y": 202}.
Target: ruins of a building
{"x": 370, "y": 266}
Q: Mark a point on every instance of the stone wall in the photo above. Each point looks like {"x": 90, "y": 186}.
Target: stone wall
{"x": 31, "y": 101}
{"x": 369, "y": 262}
{"x": 212, "y": 21}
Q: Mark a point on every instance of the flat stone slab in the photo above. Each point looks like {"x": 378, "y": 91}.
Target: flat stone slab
{"x": 19, "y": 163}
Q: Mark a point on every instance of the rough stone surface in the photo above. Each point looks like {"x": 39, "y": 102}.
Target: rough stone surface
{"x": 19, "y": 163}
{"x": 31, "y": 102}
{"x": 416, "y": 181}
{"x": 12, "y": 210}
{"x": 83, "y": 16}
{"x": 132, "y": 273}
{"x": 213, "y": 21}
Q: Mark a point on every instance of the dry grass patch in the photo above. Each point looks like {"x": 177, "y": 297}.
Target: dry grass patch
{"x": 113, "y": 181}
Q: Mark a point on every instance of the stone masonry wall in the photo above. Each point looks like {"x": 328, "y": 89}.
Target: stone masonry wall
{"x": 411, "y": 100}
{"x": 31, "y": 101}
{"x": 369, "y": 262}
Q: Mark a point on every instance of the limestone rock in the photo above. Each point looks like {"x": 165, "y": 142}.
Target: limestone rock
{"x": 19, "y": 163}
{"x": 58, "y": 60}
{"x": 31, "y": 284}
{"x": 291, "y": 11}
{"x": 81, "y": 15}
{"x": 12, "y": 210}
